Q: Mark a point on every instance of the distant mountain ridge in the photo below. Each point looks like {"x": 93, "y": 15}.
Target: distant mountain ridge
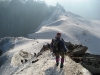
{"x": 20, "y": 19}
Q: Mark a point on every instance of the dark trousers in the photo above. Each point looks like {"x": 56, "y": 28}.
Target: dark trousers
{"x": 58, "y": 54}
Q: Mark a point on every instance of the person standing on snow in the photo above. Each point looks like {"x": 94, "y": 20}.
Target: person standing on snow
{"x": 59, "y": 49}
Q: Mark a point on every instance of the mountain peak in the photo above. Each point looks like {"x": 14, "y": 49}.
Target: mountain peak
{"x": 59, "y": 6}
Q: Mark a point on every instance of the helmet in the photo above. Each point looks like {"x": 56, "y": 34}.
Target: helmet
{"x": 59, "y": 33}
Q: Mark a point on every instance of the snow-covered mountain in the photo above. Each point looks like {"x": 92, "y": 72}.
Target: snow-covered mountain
{"x": 73, "y": 27}
{"x": 18, "y": 57}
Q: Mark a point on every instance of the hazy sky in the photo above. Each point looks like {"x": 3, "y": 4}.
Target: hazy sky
{"x": 89, "y": 9}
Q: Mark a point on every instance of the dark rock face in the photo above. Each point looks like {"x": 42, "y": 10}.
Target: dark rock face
{"x": 0, "y": 52}
{"x": 24, "y": 17}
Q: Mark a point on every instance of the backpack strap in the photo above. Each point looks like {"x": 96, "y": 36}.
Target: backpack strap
{"x": 63, "y": 40}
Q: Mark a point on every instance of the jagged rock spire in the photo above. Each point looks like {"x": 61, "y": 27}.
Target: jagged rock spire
{"x": 59, "y": 6}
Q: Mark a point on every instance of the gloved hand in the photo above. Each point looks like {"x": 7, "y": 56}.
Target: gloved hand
{"x": 66, "y": 52}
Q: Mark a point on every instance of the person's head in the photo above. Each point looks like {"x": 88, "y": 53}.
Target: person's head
{"x": 58, "y": 35}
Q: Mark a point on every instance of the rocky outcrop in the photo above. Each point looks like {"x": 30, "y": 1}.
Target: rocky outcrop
{"x": 87, "y": 60}
{"x": 21, "y": 57}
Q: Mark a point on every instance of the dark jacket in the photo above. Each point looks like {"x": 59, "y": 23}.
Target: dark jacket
{"x": 61, "y": 45}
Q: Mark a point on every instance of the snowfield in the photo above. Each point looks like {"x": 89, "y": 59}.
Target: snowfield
{"x": 46, "y": 66}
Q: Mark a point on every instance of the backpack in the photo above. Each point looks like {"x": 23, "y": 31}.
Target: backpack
{"x": 56, "y": 45}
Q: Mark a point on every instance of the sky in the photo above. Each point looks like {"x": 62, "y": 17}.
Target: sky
{"x": 89, "y": 9}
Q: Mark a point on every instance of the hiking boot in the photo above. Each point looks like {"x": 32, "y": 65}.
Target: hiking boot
{"x": 57, "y": 63}
{"x": 61, "y": 65}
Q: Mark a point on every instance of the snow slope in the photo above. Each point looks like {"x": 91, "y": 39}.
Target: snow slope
{"x": 46, "y": 66}
{"x": 73, "y": 28}
{"x": 10, "y": 60}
